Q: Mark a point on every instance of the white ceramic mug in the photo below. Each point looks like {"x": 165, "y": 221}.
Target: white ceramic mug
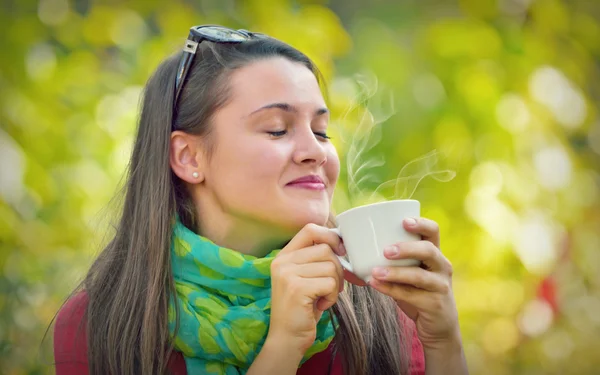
{"x": 367, "y": 230}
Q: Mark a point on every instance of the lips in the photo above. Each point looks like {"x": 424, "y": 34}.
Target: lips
{"x": 312, "y": 182}
{"x": 312, "y": 179}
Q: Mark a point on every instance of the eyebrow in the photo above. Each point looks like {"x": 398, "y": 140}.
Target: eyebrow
{"x": 289, "y": 108}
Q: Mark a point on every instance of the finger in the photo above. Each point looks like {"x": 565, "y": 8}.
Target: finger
{"x": 317, "y": 261}
{"x": 323, "y": 288}
{"x": 323, "y": 269}
{"x": 401, "y": 292}
{"x": 308, "y": 257}
{"x": 313, "y": 234}
{"x": 424, "y": 250}
{"x": 311, "y": 254}
{"x": 320, "y": 269}
{"x": 414, "y": 276}
{"x": 428, "y": 229}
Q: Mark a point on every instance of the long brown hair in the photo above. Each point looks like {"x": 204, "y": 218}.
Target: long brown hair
{"x": 130, "y": 285}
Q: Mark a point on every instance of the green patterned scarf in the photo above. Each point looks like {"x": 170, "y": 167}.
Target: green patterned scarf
{"x": 224, "y": 302}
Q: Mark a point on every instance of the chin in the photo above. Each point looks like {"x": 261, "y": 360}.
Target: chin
{"x": 298, "y": 219}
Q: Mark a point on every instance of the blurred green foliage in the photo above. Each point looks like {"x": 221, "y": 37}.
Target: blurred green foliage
{"x": 506, "y": 91}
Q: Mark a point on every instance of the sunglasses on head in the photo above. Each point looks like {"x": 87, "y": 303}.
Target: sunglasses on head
{"x": 198, "y": 34}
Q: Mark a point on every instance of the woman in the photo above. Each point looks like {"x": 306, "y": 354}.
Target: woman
{"x": 231, "y": 161}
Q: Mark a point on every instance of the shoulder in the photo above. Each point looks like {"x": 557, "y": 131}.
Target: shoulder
{"x": 417, "y": 357}
{"x": 71, "y": 316}
{"x": 70, "y": 340}
{"x": 176, "y": 364}
{"x": 324, "y": 363}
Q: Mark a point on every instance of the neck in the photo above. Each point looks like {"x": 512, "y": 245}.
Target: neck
{"x": 246, "y": 235}
{"x": 246, "y": 239}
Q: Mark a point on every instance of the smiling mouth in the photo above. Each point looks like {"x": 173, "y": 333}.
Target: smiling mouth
{"x": 309, "y": 185}
{"x": 309, "y": 182}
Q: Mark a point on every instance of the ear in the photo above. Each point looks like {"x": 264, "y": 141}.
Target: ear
{"x": 185, "y": 157}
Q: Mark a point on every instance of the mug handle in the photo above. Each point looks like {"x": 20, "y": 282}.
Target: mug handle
{"x": 347, "y": 266}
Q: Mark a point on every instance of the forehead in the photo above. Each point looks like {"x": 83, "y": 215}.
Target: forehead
{"x": 274, "y": 80}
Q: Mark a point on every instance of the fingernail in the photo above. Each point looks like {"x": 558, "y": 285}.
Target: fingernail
{"x": 380, "y": 271}
{"x": 342, "y": 249}
{"x": 410, "y": 222}
{"x": 391, "y": 250}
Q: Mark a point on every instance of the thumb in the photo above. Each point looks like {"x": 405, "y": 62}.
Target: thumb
{"x": 317, "y": 308}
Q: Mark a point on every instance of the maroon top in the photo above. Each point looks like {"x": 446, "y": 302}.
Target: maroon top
{"x": 70, "y": 347}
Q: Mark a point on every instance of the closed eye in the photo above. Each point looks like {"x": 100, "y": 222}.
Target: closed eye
{"x": 280, "y": 133}
{"x": 322, "y": 135}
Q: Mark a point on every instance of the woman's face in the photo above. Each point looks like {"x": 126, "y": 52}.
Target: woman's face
{"x": 272, "y": 169}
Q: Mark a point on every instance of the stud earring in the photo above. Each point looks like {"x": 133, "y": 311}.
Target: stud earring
{"x": 195, "y": 174}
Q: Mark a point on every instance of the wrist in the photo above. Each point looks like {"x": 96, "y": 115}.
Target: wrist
{"x": 445, "y": 357}
{"x": 453, "y": 341}
{"x": 284, "y": 346}
{"x": 277, "y": 356}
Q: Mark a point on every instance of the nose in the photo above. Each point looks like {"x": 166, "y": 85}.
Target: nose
{"x": 309, "y": 150}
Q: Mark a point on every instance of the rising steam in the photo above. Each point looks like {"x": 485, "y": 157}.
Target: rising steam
{"x": 360, "y": 130}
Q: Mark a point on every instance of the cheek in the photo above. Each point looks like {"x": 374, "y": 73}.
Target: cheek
{"x": 271, "y": 157}
{"x": 251, "y": 162}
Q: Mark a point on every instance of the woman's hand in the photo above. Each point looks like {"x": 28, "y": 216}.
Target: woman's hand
{"x": 306, "y": 278}
{"x": 424, "y": 293}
